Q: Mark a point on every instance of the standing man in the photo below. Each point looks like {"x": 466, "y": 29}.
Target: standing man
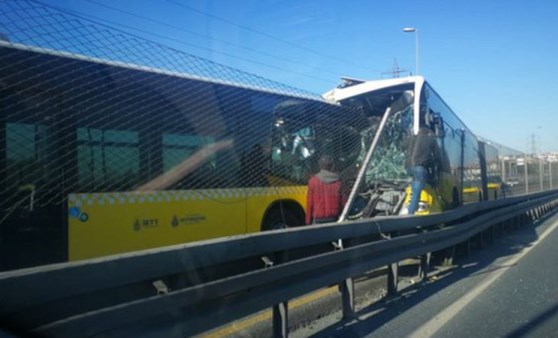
{"x": 325, "y": 200}
{"x": 421, "y": 159}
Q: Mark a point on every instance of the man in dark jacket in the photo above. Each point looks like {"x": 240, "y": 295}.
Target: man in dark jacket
{"x": 325, "y": 200}
{"x": 422, "y": 156}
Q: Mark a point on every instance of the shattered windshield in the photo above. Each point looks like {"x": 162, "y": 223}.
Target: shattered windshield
{"x": 388, "y": 161}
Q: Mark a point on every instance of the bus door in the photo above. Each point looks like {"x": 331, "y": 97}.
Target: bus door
{"x": 32, "y": 225}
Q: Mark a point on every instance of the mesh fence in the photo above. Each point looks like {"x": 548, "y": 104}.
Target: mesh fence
{"x": 32, "y": 24}
{"x": 92, "y": 118}
{"x": 103, "y": 134}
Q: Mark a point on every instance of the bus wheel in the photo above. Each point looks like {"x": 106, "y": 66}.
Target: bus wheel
{"x": 280, "y": 218}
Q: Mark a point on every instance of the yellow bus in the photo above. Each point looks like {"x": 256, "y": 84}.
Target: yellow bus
{"x": 100, "y": 158}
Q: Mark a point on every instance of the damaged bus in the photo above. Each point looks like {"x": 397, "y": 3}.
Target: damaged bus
{"x": 395, "y": 110}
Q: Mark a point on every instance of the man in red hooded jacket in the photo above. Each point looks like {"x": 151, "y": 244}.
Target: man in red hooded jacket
{"x": 325, "y": 198}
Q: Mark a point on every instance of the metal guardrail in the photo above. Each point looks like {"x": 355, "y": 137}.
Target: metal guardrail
{"x": 187, "y": 289}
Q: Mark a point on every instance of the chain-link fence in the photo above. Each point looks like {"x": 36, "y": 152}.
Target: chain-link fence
{"x": 111, "y": 143}
{"x": 523, "y": 174}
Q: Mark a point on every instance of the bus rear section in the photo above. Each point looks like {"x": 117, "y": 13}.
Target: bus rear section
{"x": 99, "y": 158}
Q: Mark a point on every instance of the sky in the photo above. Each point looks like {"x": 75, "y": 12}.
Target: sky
{"x": 493, "y": 62}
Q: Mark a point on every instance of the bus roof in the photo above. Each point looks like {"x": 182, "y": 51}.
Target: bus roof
{"x": 360, "y": 87}
{"x": 26, "y": 49}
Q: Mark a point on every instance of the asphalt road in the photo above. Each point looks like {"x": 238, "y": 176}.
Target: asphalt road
{"x": 507, "y": 289}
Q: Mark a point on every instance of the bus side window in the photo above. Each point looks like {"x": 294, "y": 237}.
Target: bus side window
{"x": 108, "y": 160}
{"x": 27, "y": 166}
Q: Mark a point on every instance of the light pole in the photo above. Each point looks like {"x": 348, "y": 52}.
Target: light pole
{"x": 414, "y": 30}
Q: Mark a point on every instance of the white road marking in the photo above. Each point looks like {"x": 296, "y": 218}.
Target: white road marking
{"x": 435, "y": 324}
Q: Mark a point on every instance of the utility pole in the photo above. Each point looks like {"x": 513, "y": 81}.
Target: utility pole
{"x": 550, "y": 173}
{"x": 541, "y": 169}
{"x": 533, "y": 143}
{"x": 395, "y": 70}
{"x": 526, "y": 175}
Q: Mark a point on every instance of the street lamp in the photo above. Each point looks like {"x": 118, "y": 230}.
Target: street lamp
{"x": 414, "y": 30}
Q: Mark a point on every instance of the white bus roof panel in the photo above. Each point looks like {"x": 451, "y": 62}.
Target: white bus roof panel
{"x": 339, "y": 94}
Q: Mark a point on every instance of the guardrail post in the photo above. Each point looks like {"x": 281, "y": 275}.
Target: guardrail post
{"x": 392, "y": 279}
{"x": 513, "y": 223}
{"x": 526, "y": 218}
{"x": 280, "y": 316}
{"x": 347, "y": 289}
{"x": 392, "y": 276}
{"x": 501, "y": 226}
{"x": 280, "y": 320}
{"x": 424, "y": 266}
{"x": 348, "y": 297}
{"x": 482, "y": 241}
{"x": 531, "y": 216}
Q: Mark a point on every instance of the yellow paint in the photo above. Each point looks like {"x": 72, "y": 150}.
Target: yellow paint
{"x": 429, "y": 196}
{"x": 266, "y": 315}
{"x": 102, "y": 224}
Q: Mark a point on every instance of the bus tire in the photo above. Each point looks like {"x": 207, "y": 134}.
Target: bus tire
{"x": 281, "y": 218}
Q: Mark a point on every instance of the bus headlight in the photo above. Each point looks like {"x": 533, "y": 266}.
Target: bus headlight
{"x": 422, "y": 207}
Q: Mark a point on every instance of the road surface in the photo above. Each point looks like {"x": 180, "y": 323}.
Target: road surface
{"x": 507, "y": 289}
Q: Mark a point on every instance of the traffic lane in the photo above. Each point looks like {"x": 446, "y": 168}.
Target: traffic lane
{"x": 417, "y": 305}
{"x": 522, "y": 301}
